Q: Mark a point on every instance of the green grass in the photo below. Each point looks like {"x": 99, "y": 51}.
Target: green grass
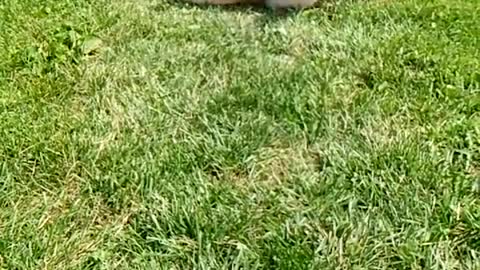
{"x": 146, "y": 134}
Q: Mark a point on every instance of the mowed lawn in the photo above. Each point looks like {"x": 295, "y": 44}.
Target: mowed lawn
{"x": 154, "y": 134}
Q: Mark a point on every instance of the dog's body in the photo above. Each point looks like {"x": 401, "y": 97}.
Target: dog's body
{"x": 275, "y": 4}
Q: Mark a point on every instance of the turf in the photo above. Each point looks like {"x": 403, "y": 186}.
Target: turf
{"x": 151, "y": 134}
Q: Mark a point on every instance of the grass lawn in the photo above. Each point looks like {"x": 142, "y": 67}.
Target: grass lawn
{"x": 152, "y": 134}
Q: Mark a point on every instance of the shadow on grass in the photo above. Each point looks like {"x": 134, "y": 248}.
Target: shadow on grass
{"x": 322, "y": 7}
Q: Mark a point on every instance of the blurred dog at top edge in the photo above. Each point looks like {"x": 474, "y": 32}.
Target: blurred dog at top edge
{"x": 274, "y": 4}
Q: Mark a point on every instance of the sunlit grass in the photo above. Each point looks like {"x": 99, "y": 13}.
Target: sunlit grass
{"x": 155, "y": 135}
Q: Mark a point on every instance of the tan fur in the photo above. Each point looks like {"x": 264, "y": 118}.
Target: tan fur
{"x": 270, "y": 3}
